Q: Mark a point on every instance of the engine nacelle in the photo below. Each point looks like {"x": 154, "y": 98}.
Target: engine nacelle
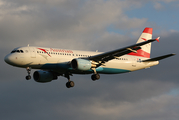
{"x": 81, "y": 64}
{"x": 44, "y": 76}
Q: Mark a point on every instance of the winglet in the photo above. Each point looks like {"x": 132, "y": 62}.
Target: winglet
{"x": 157, "y": 39}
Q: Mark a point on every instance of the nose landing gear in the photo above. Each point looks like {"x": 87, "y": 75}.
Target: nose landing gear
{"x": 28, "y": 77}
{"x": 70, "y": 83}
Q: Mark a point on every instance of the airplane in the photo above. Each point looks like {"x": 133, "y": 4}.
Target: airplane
{"x": 54, "y": 62}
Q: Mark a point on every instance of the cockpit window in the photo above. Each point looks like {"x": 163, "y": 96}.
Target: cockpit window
{"x": 13, "y": 51}
{"x": 18, "y": 51}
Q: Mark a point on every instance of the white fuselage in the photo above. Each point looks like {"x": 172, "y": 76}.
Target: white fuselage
{"x": 59, "y": 60}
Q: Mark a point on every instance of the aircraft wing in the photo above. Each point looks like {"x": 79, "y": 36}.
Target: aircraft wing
{"x": 105, "y": 57}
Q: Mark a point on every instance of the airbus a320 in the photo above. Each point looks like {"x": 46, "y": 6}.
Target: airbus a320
{"x": 54, "y": 62}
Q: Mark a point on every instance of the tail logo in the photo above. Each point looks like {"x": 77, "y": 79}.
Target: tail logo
{"x": 144, "y": 39}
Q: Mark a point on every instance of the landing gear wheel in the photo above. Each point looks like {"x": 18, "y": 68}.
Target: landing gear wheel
{"x": 95, "y": 77}
{"x": 70, "y": 84}
{"x": 28, "y": 77}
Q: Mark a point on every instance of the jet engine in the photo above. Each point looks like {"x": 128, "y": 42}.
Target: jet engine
{"x": 82, "y": 64}
{"x": 44, "y": 76}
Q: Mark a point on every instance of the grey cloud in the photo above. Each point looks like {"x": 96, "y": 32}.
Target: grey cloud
{"x": 29, "y": 100}
{"x": 37, "y": 25}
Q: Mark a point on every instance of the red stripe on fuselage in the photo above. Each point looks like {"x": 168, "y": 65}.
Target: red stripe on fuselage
{"x": 44, "y": 51}
{"x": 140, "y": 53}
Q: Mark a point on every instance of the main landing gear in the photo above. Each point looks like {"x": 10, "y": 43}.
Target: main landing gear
{"x": 28, "y": 77}
{"x": 70, "y": 83}
{"x": 95, "y": 76}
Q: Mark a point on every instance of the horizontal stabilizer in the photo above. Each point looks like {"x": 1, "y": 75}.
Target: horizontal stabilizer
{"x": 158, "y": 58}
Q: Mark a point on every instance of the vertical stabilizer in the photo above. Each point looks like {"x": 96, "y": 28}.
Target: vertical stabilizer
{"x": 145, "y": 49}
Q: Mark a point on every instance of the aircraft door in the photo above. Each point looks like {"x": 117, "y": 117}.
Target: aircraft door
{"x": 32, "y": 52}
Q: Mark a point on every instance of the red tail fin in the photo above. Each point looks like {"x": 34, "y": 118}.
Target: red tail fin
{"x": 145, "y": 49}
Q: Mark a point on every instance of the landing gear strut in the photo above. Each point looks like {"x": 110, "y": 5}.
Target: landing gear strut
{"x": 95, "y": 76}
{"x": 28, "y": 77}
{"x": 70, "y": 83}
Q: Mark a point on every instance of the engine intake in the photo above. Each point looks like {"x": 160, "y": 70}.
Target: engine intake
{"x": 44, "y": 76}
{"x": 81, "y": 64}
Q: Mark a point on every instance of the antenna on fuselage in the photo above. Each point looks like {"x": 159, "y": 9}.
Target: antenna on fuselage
{"x": 28, "y": 45}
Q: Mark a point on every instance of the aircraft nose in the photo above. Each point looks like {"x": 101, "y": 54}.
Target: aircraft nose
{"x": 8, "y": 59}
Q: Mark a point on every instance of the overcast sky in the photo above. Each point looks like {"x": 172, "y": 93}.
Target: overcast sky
{"x": 103, "y": 25}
